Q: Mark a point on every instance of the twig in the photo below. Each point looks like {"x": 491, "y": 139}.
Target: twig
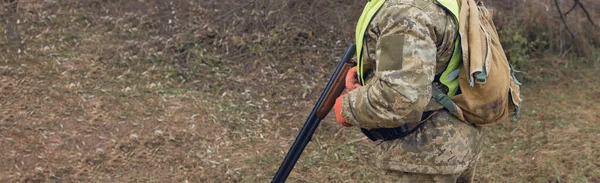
{"x": 587, "y": 14}
{"x": 563, "y": 19}
{"x": 351, "y": 142}
{"x": 9, "y": 4}
{"x": 227, "y": 14}
{"x": 565, "y": 53}
{"x": 356, "y": 140}
{"x": 572, "y": 8}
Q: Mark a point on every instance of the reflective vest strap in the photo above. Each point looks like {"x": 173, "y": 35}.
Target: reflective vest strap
{"x": 456, "y": 59}
{"x": 361, "y": 28}
{"x": 452, "y": 6}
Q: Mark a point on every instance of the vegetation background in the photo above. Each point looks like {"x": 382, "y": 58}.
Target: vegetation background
{"x": 216, "y": 91}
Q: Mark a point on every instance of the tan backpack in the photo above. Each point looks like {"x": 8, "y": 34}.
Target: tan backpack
{"x": 489, "y": 92}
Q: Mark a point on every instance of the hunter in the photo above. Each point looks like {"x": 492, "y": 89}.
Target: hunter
{"x": 403, "y": 46}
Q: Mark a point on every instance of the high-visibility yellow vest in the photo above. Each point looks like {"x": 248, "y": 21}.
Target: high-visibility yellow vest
{"x": 369, "y": 12}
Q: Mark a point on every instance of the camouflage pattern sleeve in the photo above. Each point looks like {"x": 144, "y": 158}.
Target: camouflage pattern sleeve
{"x": 405, "y": 56}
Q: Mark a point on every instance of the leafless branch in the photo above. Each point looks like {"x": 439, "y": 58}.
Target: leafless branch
{"x": 587, "y": 14}
{"x": 562, "y": 17}
{"x": 572, "y": 8}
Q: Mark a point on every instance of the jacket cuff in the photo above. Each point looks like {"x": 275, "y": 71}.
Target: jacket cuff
{"x": 347, "y": 107}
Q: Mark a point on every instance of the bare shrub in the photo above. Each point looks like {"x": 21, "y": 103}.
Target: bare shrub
{"x": 533, "y": 28}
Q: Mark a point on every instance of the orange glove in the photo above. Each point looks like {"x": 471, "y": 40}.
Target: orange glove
{"x": 351, "y": 79}
{"x": 338, "y": 111}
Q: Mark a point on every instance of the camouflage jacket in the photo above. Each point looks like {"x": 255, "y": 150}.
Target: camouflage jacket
{"x": 408, "y": 42}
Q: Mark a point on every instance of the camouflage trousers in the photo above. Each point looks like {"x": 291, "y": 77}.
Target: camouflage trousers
{"x": 444, "y": 149}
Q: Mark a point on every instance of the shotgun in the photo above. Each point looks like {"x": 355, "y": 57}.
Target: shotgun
{"x": 332, "y": 91}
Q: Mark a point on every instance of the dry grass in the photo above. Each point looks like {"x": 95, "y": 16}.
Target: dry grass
{"x": 189, "y": 91}
{"x": 554, "y": 140}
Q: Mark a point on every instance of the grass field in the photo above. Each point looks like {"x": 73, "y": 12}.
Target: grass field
{"x": 161, "y": 91}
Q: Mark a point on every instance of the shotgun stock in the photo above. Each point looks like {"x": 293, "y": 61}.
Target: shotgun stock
{"x": 334, "y": 88}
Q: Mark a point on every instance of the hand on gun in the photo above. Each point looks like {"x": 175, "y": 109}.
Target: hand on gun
{"x": 351, "y": 84}
{"x": 352, "y": 79}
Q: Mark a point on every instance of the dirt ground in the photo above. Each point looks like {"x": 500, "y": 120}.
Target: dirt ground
{"x": 190, "y": 91}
